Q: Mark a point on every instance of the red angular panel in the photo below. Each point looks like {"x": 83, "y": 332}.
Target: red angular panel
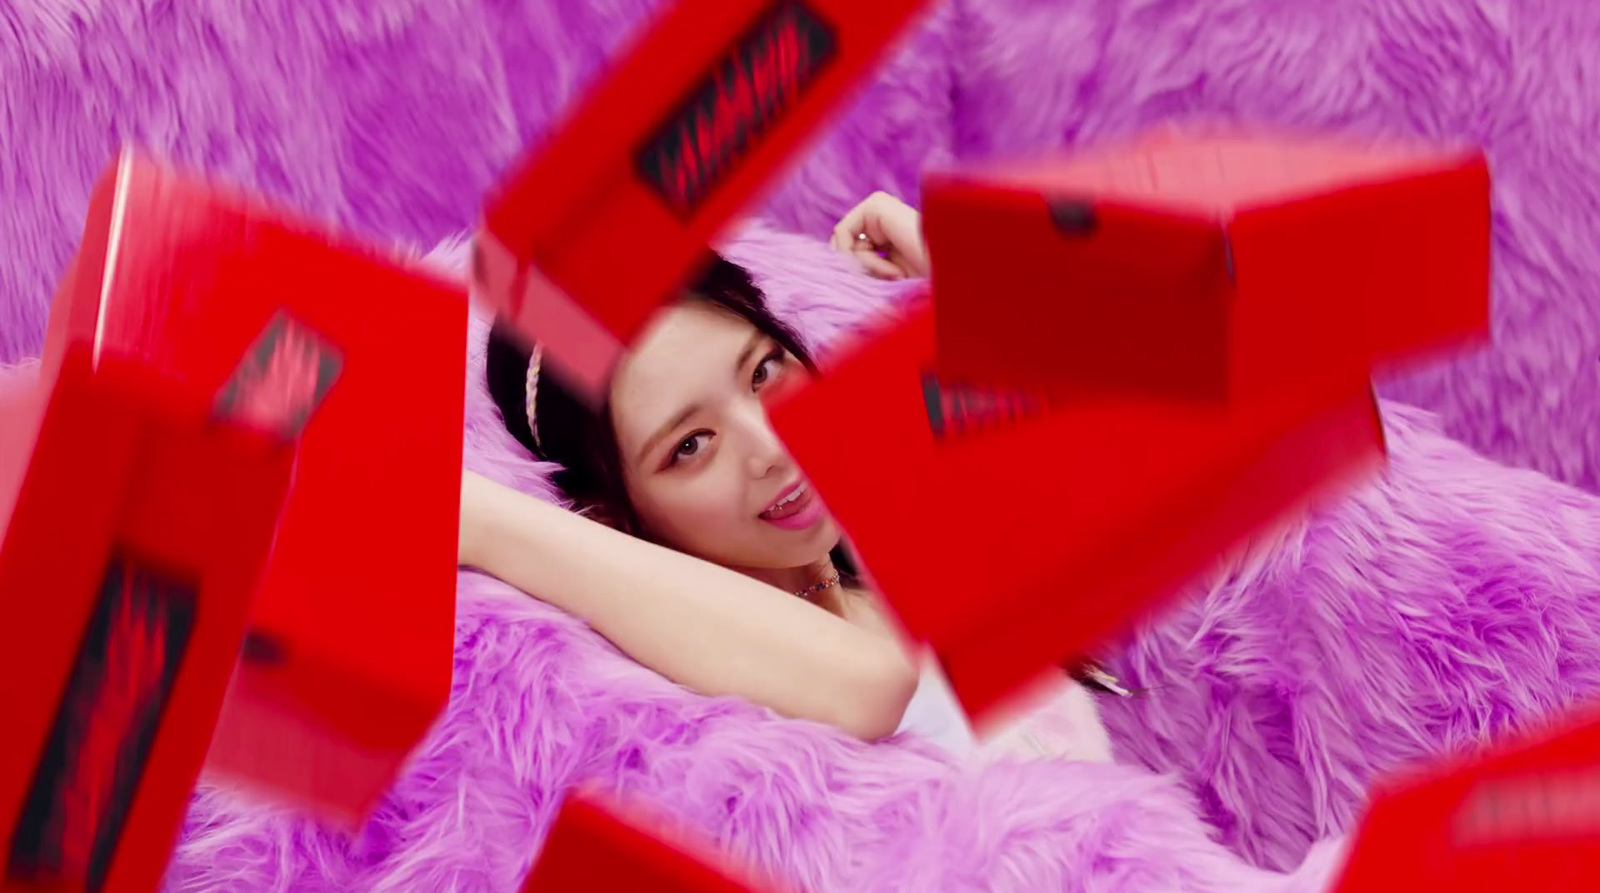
{"x": 1208, "y": 267}
{"x": 1059, "y": 527}
{"x": 136, "y": 531}
{"x": 607, "y": 219}
{"x": 592, "y": 849}
{"x": 187, "y": 279}
{"x": 1525, "y": 816}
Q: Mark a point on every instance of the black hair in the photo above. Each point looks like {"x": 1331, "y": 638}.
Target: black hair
{"x": 580, "y": 437}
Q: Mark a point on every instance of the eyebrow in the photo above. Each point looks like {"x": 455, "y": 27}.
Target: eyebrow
{"x": 688, "y": 411}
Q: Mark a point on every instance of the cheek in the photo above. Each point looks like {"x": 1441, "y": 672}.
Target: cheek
{"x": 690, "y": 509}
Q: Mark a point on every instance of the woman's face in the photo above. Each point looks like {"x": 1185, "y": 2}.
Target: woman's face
{"x": 704, "y": 470}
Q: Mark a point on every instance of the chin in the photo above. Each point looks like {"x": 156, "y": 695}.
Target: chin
{"x": 819, "y": 542}
{"x": 831, "y": 534}
{"x": 803, "y": 547}
{"x": 820, "y": 539}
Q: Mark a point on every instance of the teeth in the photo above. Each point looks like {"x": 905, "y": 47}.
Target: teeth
{"x": 800, "y": 491}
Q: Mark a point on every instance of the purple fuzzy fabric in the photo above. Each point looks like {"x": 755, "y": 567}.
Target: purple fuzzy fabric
{"x": 1514, "y": 76}
{"x": 1455, "y": 600}
{"x": 540, "y": 704}
{"x": 393, "y": 117}
{"x": 388, "y": 118}
{"x": 1452, "y": 602}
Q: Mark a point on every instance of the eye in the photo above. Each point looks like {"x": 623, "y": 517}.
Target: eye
{"x": 770, "y": 367}
{"x": 689, "y": 447}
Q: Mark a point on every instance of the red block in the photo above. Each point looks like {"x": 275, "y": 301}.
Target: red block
{"x": 1210, "y": 268}
{"x": 1523, "y": 817}
{"x": 135, "y": 531}
{"x": 593, "y": 850}
{"x": 609, "y": 218}
{"x": 1014, "y": 549}
{"x": 349, "y": 656}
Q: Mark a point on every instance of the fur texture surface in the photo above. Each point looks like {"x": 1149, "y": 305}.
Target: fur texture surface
{"x": 393, "y": 118}
{"x": 541, "y": 704}
{"x": 1515, "y": 77}
{"x": 388, "y": 119}
{"x": 1455, "y": 603}
{"x": 1455, "y": 600}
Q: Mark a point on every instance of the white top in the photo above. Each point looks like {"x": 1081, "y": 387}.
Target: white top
{"x": 1063, "y": 725}
{"x": 935, "y": 714}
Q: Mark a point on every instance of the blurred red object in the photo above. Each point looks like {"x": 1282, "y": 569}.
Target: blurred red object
{"x": 136, "y": 527}
{"x": 348, "y": 660}
{"x": 1208, "y": 267}
{"x": 1525, "y": 816}
{"x": 605, "y": 221}
{"x": 590, "y": 848}
{"x": 1054, "y": 525}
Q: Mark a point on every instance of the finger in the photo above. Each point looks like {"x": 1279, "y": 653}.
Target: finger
{"x": 879, "y": 267}
{"x": 867, "y": 217}
{"x": 872, "y": 226}
{"x": 844, "y": 234}
{"x": 902, "y": 228}
{"x": 836, "y": 240}
{"x": 910, "y": 263}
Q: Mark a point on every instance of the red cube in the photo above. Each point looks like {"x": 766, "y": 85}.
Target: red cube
{"x": 1208, "y": 267}
{"x": 610, "y": 216}
{"x": 591, "y": 848}
{"x": 1525, "y": 816}
{"x": 1027, "y": 537}
{"x": 348, "y": 660}
{"x": 136, "y": 528}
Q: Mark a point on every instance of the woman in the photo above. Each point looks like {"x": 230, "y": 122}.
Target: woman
{"x": 700, "y": 549}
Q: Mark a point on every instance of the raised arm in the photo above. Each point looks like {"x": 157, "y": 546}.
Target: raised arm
{"x": 710, "y": 629}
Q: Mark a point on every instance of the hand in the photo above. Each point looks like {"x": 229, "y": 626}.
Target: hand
{"x": 893, "y": 246}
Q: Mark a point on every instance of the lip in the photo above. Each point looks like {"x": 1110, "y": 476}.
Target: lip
{"x": 800, "y": 514}
{"x": 785, "y": 493}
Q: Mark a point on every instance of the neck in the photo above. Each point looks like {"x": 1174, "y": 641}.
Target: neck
{"x": 795, "y": 579}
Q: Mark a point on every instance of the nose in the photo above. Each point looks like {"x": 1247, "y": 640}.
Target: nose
{"x": 765, "y": 453}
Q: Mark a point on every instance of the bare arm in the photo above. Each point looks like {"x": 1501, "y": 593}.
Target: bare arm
{"x": 711, "y": 629}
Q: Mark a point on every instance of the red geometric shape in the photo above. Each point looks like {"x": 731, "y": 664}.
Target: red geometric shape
{"x": 348, "y": 661}
{"x": 1058, "y": 528}
{"x": 1524, "y": 816}
{"x": 590, "y": 848}
{"x": 1209, "y": 268}
{"x": 605, "y": 221}
{"x": 136, "y": 531}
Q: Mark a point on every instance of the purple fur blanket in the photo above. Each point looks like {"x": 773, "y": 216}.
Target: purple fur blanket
{"x": 392, "y": 117}
{"x": 1455, "y": 600}
{"x": 1512, "y": 76}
